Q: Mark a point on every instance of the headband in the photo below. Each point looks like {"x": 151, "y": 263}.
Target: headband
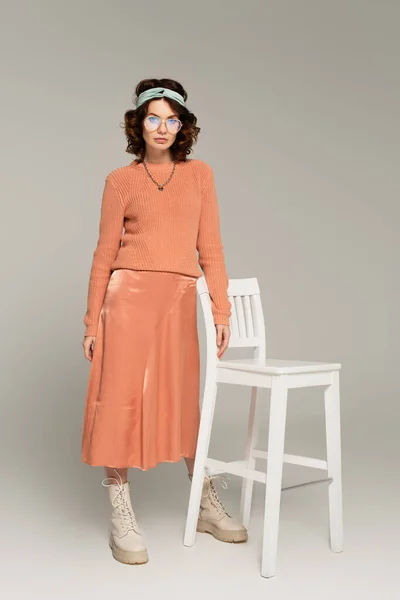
{"x": 159, "y": 92}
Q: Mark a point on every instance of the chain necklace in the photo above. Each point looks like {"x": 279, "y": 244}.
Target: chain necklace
{"x": 159, "y": 185}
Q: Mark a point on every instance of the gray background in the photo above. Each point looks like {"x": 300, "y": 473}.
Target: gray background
{"x": 298, "y": 104}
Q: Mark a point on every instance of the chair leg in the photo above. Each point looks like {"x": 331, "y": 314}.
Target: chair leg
{"x": 248, "y": 484}
{"x": 333, "y": 444}
{"x": 276, "y": 444}
{"x": 203, "y": 442}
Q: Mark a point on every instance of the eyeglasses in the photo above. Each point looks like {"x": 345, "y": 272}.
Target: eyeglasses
{"x": 152, "y": 123}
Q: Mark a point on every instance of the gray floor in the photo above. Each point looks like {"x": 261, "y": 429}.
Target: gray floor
{"x": 55, "y": 535}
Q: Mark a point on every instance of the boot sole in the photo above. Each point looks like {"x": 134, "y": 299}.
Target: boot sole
{"x": 127, "y": 557}
{"x": 235, "y": 537}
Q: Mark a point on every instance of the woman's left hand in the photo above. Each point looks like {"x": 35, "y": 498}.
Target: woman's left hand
{"x": 223, "y": 335}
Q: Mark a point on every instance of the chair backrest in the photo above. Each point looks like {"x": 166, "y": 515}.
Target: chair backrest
{"x": 247, "y": 318}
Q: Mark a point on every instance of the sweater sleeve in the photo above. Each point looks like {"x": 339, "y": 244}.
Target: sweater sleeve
{"x": 108, "y": 244}
{"x": 210, "y": 248}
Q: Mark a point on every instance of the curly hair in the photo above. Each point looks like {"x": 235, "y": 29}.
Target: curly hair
{"x": 133, "y": 119}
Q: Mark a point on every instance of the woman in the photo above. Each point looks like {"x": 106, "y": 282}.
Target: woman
{"x": 142, "y": 404}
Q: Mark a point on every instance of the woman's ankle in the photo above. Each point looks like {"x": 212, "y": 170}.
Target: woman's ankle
{"x": 120, "y": 475}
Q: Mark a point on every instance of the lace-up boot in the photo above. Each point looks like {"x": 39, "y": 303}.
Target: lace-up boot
{"x": 125, "y": 541}
{"x": 213, "y": 517}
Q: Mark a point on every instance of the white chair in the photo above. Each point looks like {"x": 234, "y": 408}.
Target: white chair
{"x": 248, "y": 330}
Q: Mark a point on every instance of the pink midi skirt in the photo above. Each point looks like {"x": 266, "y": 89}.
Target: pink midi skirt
{"x": 142, "y": 402}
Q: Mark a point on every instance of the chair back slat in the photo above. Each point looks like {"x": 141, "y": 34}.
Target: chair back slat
{"x": 238, "y": 300}
{"x": 233, "y": 321}
{"x": 248, "y": 315}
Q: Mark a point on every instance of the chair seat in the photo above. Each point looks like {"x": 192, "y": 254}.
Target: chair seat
{"x": 276, "y": 366}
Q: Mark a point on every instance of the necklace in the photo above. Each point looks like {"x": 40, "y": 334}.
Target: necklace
{"x": 159, "y": 185}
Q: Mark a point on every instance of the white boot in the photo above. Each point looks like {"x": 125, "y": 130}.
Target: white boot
{"x": 213, "y": 517}
{"x": 126, "y": 541}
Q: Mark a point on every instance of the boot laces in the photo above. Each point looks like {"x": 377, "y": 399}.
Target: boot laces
{"x": 121, "y": 503}
{"x": 213, "y": 495}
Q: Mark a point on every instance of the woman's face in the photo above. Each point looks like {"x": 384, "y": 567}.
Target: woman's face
{"x": 160, "y": 138}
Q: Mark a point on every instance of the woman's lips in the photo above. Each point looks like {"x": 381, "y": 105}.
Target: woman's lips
{"x": 160, "y": 139}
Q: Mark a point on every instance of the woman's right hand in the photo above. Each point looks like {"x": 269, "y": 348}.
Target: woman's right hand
{"x": 88, "y": 346}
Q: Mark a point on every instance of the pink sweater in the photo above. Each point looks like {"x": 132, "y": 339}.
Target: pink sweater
{"x": 162, "y": 231}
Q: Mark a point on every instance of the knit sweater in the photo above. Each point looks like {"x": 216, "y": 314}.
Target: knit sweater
{"x": 162, "y": 231}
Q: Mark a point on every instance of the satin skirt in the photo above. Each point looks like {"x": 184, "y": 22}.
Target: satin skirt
{"x": 142, "y": 402}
